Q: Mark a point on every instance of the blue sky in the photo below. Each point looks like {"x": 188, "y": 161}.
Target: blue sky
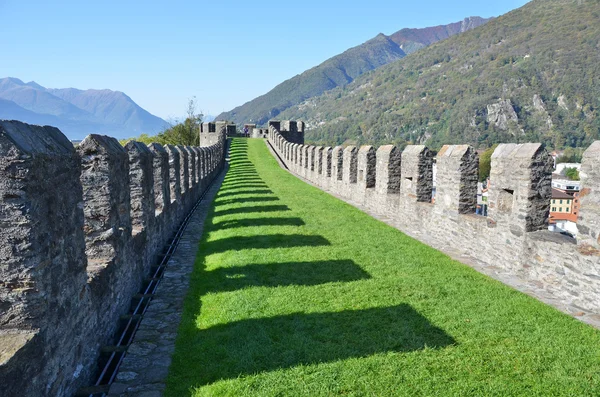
{"x": 161, "y": 53}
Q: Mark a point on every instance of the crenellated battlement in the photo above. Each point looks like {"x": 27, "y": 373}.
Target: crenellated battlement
{"x": 399, "y": 187}
{"x": 292, "y": 131}
{"x": 81, "y": 227}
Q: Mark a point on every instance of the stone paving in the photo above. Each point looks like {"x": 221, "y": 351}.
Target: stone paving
{"x": 145, "y": 368}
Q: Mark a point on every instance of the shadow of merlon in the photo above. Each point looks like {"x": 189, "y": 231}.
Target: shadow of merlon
{"x": 240, "y": 200}
{"x": 257, "y": 222}
{"x": 283, "y": 274}
{"x": 267, "y": 241}
{"x": 252, "y": 209}
{"x": 266, "y": 344}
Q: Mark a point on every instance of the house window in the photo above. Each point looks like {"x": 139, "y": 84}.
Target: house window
{"x": 560, "y": 202}
{"x": 567, "y": 210}
{"x": 559, "y": 209}
{"x": 553, "y": 209}
{"x": 553, "y": 201}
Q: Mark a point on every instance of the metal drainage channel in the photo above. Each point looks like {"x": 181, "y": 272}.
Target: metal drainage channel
{"x": 111, "y": 357}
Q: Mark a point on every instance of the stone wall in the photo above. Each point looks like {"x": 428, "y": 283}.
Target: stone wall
{"x": 81, "y": 228}
{"x": 398, "y": 187}
{"x": 259, "y": 132}
{"x": 292, "y": 131}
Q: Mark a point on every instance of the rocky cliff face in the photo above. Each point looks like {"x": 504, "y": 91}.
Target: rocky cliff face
{"x": 501, "y": 113}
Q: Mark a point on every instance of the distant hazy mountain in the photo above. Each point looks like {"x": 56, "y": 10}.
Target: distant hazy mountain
{"x": 75, "y": 112}
{"x": 342, "y": 69}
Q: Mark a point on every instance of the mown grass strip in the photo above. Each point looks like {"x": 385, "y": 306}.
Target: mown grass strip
{"x": 297, "y": 293}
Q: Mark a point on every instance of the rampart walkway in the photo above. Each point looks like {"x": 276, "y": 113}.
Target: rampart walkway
{"x": 297, "y": 293}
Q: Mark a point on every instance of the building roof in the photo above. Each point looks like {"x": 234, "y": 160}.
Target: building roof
{"x": 559, "y": 194}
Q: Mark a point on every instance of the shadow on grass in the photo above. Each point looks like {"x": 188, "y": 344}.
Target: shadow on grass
{"x": 267, "y": 241}
{"x": 242, "y": 200}
{"x": 283, "y": 274}
{"x": 243, "y": 175}
{"x": 258, "y": 183}
{"x": 257, "y": 222}
{"x": 257, "y": 209}
{"x": 236, "y": 187}
{"x": 256, "y": 345}
{"x": 252, "y": 178}
{"x": 244, "y": 191}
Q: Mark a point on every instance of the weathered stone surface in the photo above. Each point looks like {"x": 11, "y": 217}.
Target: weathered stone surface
{"x": 141, "y": 182}
{"x": 589, "y": 213}
{"x": 417, "y": 173}
{"x": 146, "y": 364}
{"x": 42, "y": 255}
{"x": 184, "y": 176}
{"x": 327, "y": 154}
{"x": 457, "y": 177}
{"x": 203, "y": 163}
{"x": 301, "y": 156}
{"x": 295, "y": 154}
{"x": 289, "y": 130}
{"x": 160, "y": 165}
{"x": 366, "y": 167}
{"x": 106, "y": 198}
{"x": 521, "y": 186}
{"x": 319, "y": 160}
{"x": 210, "y": 134}
{"x": 56, "y": 205}
{"x": 501, "y": 114}
{"x": 198, "y": 171}
{"x": 311, "y": 158}
{"x": 337, "y": 163}
{"x": 388, "y": 170}
{"x": 192, "y": 166}
{"x": 174, "y": 173}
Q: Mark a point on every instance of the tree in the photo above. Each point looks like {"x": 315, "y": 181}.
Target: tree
{"x": 485, "y": 163}
{"x": 572, "y": 173}
{"x": 570, "y": 155}
{"x": 186, "y": 133}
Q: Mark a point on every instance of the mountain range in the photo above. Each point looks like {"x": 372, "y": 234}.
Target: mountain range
{"x": 342, "y": 69}
{"x": 531, "y": 75}
{"x": 76, "y": 113}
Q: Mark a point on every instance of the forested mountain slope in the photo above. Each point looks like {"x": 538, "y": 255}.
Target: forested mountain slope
{"x": 342, "y": 69}
{"x": 530, "y": 75}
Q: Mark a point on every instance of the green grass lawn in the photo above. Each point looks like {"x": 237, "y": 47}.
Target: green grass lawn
{"x": 297, "y": 293}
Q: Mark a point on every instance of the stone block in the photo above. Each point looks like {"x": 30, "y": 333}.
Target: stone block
{"x": 184, "y": 176}
{"x": 520, "y": 187}
{"x": 388, "y": 170}
{"x": 327, "y": 154}
{"x": 141, "y": 183}
{"x": 457, "y": 177}
{"x": 350, "y": 165}
{"x": 42, "y": 244}
{"x": 160, "y": 165}
{"x": 192, "y": 167}
{"x": 417, "y": 174}
{"x": 106, "y": 198}
{"x": 337, "y": 163}
{"x": 589, "y": 212}
{"x": 174, "y": 173}
{"x": 366, "y": 167}
{"x": 319, "y": 161}
{"x": 275, "y": 124}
